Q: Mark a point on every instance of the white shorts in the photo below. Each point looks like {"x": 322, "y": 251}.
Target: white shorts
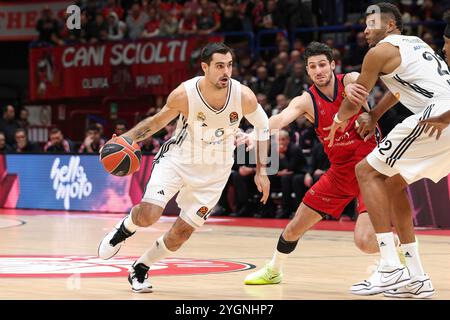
{"x": 200, "y": 185}
{"x": 410, "y": 152}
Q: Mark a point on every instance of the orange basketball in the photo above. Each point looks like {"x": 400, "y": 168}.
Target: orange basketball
{"x": 121, "y": 156}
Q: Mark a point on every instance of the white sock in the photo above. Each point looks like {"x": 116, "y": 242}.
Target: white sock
{"x": 278, "y": 260}
{"x": 412, "y": 258}
{"x": 387, "y": 248}
{"x": 157, "y": 252}
{"x": 128, "y": 223}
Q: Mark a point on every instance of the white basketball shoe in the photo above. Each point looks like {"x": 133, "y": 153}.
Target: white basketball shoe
{"x": 383, "y": 279}
{"x": 111, "y": 243}
{"x": 420, "y": 287}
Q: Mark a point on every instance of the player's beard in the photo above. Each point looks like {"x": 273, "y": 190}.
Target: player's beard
{"x": 219, "y": 84}
{"x": 326, "y": 83}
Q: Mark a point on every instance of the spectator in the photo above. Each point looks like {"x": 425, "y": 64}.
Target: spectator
{"x": 279, "y": 82}
{"x": 136, "y": 21}
{"x": 188, "y": 23}
{"x": 281, "y": 103}
{"x": 116, "y": 28}
{"x": 291, "y": 162}
{"x": 57, "y": 143}
{"x": 152, "y": 26}
{"x": 208, "y": 20}
{"x": 23, "y": 119}
{"x": 262, "y": 83}
{"x": 23, "y": 145}
{"x": 275, "y": 14}
{"x": 48, "y": 28}
{"x": 296, "y": 83}
{"x": 319, "y": 165}
{"x": 97, "y": 30}
{"x": 262, "y": 100}
{"x": 4, "y": 147}
{"x": 120, "y": 127}
{"x": 93, "y": 141}
{"x": 111, "y": 6}
{"x": 169, "y": 24}
{"x": 8, "y": 124}
{"x": 242, "y": 177}
{"x": 230, "y": 22}
{"x": 355, "y": 55}
{"x": 150, "y": 145}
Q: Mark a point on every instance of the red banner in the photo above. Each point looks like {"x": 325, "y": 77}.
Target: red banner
{"x": 18, "y": 19}
{"x": 154, "y": 66}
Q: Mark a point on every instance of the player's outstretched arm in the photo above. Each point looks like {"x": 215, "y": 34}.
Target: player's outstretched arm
{"x": 296, "y": 108}
{"x": 256, "y": 115}
{"x": 176, "y": 103}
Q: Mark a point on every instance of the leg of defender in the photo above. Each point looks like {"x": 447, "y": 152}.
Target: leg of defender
{"x": 272, "y": 273}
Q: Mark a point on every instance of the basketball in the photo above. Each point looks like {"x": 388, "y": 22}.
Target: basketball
{"x": 121, "y": 156}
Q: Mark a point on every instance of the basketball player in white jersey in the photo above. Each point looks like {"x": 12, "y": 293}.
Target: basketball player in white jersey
{"x": 196, "y": 161}
{"x": 417, "y": 77}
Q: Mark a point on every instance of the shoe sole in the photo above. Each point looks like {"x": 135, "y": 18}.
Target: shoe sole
{"x": 143, "y": 290}
{"x": 422, "y": 295}
{"x": 107, "y": 258}
{"x": 261, "y": 284}
{"x": 380, "y": 290}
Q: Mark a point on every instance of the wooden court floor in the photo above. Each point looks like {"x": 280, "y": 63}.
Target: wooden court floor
{"x": 324, "y": 265}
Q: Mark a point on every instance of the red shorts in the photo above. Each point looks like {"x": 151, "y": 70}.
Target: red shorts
{"x": 331, "y": 197}
{"x": 337, "y": 188}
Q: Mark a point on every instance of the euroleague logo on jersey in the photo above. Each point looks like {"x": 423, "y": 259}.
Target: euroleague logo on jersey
{"x": 49, "y": 266}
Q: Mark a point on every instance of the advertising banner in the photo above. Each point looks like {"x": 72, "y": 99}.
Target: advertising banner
{"x": 147, "y": 67}
{"x": 18, "y": 18}
{"x": 68, "y": 182}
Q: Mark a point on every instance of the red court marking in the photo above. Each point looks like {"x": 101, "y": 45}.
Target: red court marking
{"x": 56, "y": 266}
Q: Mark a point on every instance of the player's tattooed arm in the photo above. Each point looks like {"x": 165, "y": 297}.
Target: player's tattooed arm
{"x": 176, "y": 104}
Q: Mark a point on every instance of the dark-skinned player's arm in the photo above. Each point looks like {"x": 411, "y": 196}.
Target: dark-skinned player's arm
{"x": 176, "y": 103}
{"x": 256, "y": 115}
{"x": 367, "y": 121}
{"x": 371, "y": 68}
{"x": 437, "y": 123}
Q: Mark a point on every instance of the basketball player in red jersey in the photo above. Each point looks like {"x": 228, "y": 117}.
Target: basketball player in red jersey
{"x": 338, "y": 186}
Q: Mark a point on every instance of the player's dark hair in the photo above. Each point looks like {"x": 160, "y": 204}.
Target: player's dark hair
{"x": 55, "y": 130}
{"x": 214, "y": 47}
{"x": 388, "y": 8}
{"x": 316, "y": 49}
{"x": 447, "y": 28}
{"x": 93, "y": 127}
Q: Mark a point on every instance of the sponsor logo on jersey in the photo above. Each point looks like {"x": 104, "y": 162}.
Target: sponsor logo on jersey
{"x": 202, "y": 211}
{"x": 219, "y": 132}
{"x": 234, "y": 117}
{"x": 63, "y": 266}
{"x": 201, "y": 116}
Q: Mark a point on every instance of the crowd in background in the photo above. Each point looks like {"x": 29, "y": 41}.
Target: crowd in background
{"x": 275, "y": 76}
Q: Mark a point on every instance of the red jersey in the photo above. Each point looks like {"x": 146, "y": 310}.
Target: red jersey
{"x": 348, "y": 143}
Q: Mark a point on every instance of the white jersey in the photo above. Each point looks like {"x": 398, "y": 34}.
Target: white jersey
{"x": 208, "y": 135}
{"x": 422, "y": 76}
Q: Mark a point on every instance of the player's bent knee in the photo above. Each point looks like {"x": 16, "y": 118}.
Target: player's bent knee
{"x": 145, "y": 214}
{"x": 366, "y": 243}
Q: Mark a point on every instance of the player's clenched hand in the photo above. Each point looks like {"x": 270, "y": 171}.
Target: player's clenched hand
{"x": 365, "y": 126}
{"x": 246, "y": 139}
{"x": 333, "y": 128}
{"x": 356, "y": 93}
{"x": 263, "y": 184}
{"x": 437, "y": 124}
